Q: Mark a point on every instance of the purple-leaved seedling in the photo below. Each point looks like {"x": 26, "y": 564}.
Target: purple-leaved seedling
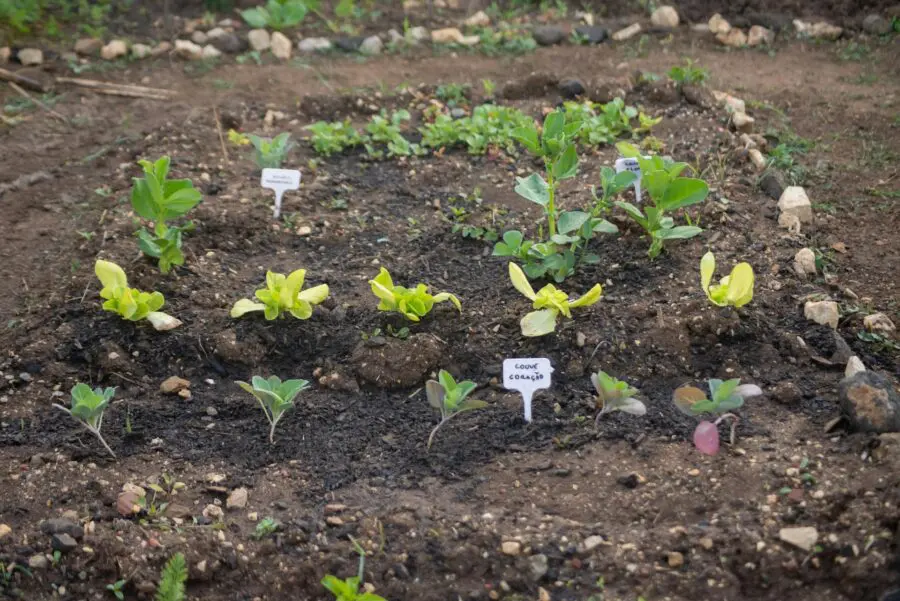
{"x": 725, "y": 396}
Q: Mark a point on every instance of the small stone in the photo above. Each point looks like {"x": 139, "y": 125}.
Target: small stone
{"x": 63, "y": 542}
{"x": 694, "y": 472}
{"x": 511, "y": 547}
{"x": 825, "y": 313}
{"x": 870, "y": 403}
{"x": 395, "y": 38}
{"x": 210, "y": 51}
{"x": 706, "y": 543}
{"x": 675, "y": 559}
{"x": 786, "y": 393}
{"x": 229, "y": 43}
{"x": 259, "y": 40}
{"x": 458, "y": 112}
{"x": 253, "y": 516}
{"x": 734, "y": 38}
{"x": 63, "y": 526}
{"x": 757, "y": 158}
{"x": 215, "y": 32}
{"x": 732, "y": 104}
{"x": 820, "y": 30}
{"x": 592, "y": 542}
{"x": 876, "y": 25}
{"x": 88, "y": 46}
{"x": 592, "y": 34}
{"x": 794, "y": 201}
{"x": 310, "y": 45}
{"x": 538, "y": 565}
{"x": 771, "y": 184}
{"x": 371, "y": 46}
{"x": 742, "y": 122}
{"x": 570, "y": 89}
{"x": 665, "y": 17}
{"x": 281, "y": 46}
{"x": 115, "y": 49}
{"x": 237, "y": 499}
{"x": 759, "y": 36}
{"x": 879, "y": 323}
{"x": 334, "y": 520}
{"x": 803, "y": 537}
{"x": 805, "y": 262}
{"x": 200, "y": 38}
{"x": 213, "y": 512}
{"x": 38, "y": 562}
{"x": 417, "y": 35}
{"x": 25, "y": 377}
{"x": 173, "y": 385}
{"x": 479, "y": 19}
{"x": 141, "y": 51}
{"x": 629, "y": 481}
{"x": 543, "y": 594}
{"x": 5, "y": 54}
{"x": 188, "y": 50}
{"x": 717, "y": 24}
{"x": 162, "y": 48}
{"x": 452, "y": 35}
{"x": 854, "y": 366}
{"x": 5, "y": 531}
{"x": 627, "y": 33}
{"x": 31, "y": 56}
{"x": 548, "y": 35}
{"x": 335, "y": 508}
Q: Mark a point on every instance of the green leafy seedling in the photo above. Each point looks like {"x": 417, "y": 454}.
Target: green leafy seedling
{"x": 265, "y": 528}
{"x": 348, "y": 589}
{"x": 274, "y": 396}
{"x": 172, "y": 579}
{"x": 131, "y": 303}
{"x": 725, "y": 396}
{"x": 450, "y": 398}
{"x": 88, "y": 407}
{"x": 269, "y": 153}
{"x": 549, "y": 303}
{"x": 116, "y": 589}
{"x": 282, "y": 295}
{"x": 615, "y": 395}
{"x": 158, "y": 199}
{"x": 330, "y": 138}
{"x": 734, "y": 290}
{"x": 276, "y": 14}
{"x": 412, "y": 303}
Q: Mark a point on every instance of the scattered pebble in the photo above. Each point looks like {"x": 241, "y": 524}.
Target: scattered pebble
{"x": 665, "y": 17}
{"x": 879, "y": 323}
{"x": 675, "y": 559}
{"x": 825, "y": 313}
{"x": 31, "y": 56}
{"x": 259, "y": 40}
{"x": 174, "y": 385}
{"x": 627, "y": 33}
{"x": 281, "y": 46}
{"x": 803, "y": 537}
{"x": 870, "y": 403}
{"x": 511, "y": 547}
{"x": 794, "y": 201}
{"x": 805, "y": 262}
{"x": 237, "y": 499}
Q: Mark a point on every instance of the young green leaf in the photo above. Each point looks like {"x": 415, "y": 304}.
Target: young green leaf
{"x": 283, "y": 295}
{"x": 131, "y": 303}
{"x": 450, "y": 398}
{"x": 549, "y": 303}
{"x": 275, "y": 397}
{"x": 412, "y": 303}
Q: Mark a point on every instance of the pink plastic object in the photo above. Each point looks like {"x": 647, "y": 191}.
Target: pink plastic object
{"x": 706, "y": 438}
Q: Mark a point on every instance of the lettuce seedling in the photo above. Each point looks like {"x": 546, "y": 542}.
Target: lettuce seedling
{"x": 158, "y": 199}
{"x": 725, "y": 396}
{"x": 615, "y": 395}
{"x": 348, "y": 589}
{"x": 450, "y": 398}
{"x": 669, "y": 192}
{"x": 329, "y": 138}
{"x": 131, "y": 303}
{"x": 274, "y": 396}
{"x": 735, "y": 290}
{"x": 283, "y": 295}
{"x": 276, "y": 14}
{"x": 269, "y": 153}
{"x": 549, "y": 303}
{"x": 412, "y": 303}
{"x": 88, "y": 407}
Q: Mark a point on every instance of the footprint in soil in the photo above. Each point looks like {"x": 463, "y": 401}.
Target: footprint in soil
{"x": 394, "y": 363}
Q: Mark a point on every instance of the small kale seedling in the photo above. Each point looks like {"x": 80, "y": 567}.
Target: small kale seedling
{"x": 131, "y": 303}
{"x": 283, "y": 295}
{"x": 274, "y": 396}
{"x": 88, "y": 407}
{"x": 735, "y": 290}
{"x": 450, "y": 398}
{"x": 549, "y": 302}
{"x": 669, "y": 192}
{"x": 348, "y": 590}
{"x": 725, "y": 396}
{"x": 158, "y": 199}
{"x": 615, "y": 395}
{"x": 412, "y": 303}
{"x": 269, "y": 153}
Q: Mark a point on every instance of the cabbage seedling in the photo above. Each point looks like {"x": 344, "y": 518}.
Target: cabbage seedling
{"x": 158, "y": 199}
{"x": 274, "y": 396}
{"x": 131, "y": 303}
{"x": 269, "y": 153}
{"x": 88, "y": 407}
{"x": 734, "y": 290}
{"x": 283, "y": 295}
{"x": 549, "y": 301}
{"x": 450, "y": 398}
{"x": 412, "y": 303}
{"x": 725, "y": 396}
{"x": 615, "y": 395}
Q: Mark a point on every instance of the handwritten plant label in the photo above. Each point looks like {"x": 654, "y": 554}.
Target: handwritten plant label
{"x": 280, "y": 180}
{"x": 632, "y": 165}
{"x": 527, "y": 376}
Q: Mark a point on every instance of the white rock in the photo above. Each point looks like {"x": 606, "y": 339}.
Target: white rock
{"x": 115, "y": 49}
{"x": 5, "y": 531}
{"x": 757, "y": 158}
{"x": 5, "y": 53}
{"x": 880, "y": 323}
{"x": 789, "y": 221}
{"x": 742, "y": 122}
{"x": 215, "y": 32}
{"x": 199, "y": 38}
{"x": 140, "y": 51}
{"x": 188, "y": 50}
{"x": 665, "y": 16}
{"x": 825, "y": 313}
{"x": 479, "y": 19}
{"x": 237, "y": 499}
{"x": 803, "y": 537}
{"x": 822, "y": 30}
{"x": 88, "y": 46}
{"x": 717, "y": 24}
{"x": 31, "y": 56}
{"x": 281, "y": 46}
{"x": 759, "y": 35}
{"x": 627, "y": 33}
{"x": 591, "y": 543}
{"x": 371, "y": 45}
{"x": 162, "y": 48}
{"x": 418, "y": 34}
{"x": 259, "y": 39}
{"x": 805, "y": 262}
{"x": 395, "y": 38}
{"x": 854, "y": 366}
{"x": 794, "y": 201}
{"x": 210, "y": 51}
{"x": 450, "y": 35}
{"x": 213, "y": 512}
{"x": 734, "y": 38}
{"x": 309, "y": 45}
{"x": 732, "y": 104}
{"x": 511, "y": 547}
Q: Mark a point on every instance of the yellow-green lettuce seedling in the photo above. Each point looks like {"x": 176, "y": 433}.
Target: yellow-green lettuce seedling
{"x": 274, "y": 396}
{"x": 131, "y": 303}
{"x": 88, "y": 407}
{"x": 615, "y": 395}
{"x": 734, "y": 290}
{"x": 450, "y": 398}
{"x": 283, "y": 295}
{"x": 549, "y": 301}
{"x": 412, "y": 303}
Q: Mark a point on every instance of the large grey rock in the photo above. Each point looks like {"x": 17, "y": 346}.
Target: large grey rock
{"x": 31, "y": 56}
{"x": 63, "y": 542}
{"x": 229, "y": 43}
{"x": 665, "y": 17}
{"x": 794, "y": 201}
{"x": 310, "y": 45}
{"x": 259, "y": 39}
{"x": 371, "y": 46}
{"x": 548, "y": 35}
{"x": 62, "y": 526}
{"x": 592, "y": 34}
{"x": 870, "y": 403}
{"x": 876, "y": 25}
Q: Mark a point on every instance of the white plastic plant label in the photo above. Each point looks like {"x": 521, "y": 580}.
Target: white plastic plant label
{"x": 527, "y": 376}
{"x": 280, "y": 180}
{"x": 633, "y": 166}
